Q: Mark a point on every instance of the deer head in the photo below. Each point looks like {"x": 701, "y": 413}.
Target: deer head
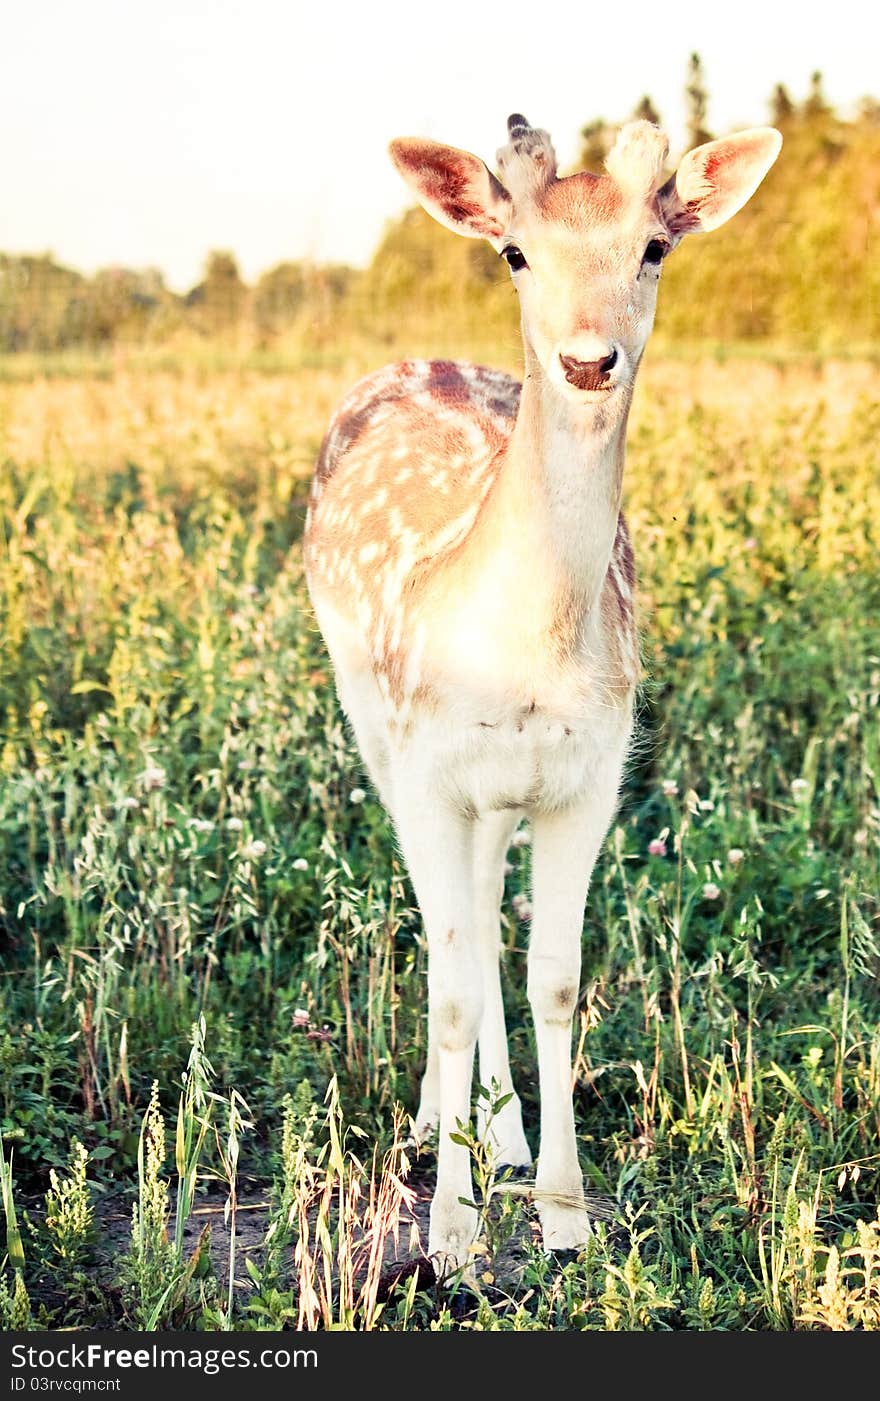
{"x": 586, "y": 251}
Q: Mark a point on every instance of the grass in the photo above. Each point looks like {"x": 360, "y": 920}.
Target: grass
{"x": 209, "y": 943}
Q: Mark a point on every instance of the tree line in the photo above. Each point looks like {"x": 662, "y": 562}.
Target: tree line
{"x": 798, "y": 264}
{"x": 46, "y": 307}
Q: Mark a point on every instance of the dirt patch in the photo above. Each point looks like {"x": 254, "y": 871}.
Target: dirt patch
{"x": 113, "y": 1223}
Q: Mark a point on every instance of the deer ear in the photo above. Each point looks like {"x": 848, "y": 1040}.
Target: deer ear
{"x": 456, "y": 188}
{"x": 716, "y": 180}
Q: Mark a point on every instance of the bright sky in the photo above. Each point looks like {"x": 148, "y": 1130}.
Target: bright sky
{"x": 147, "y": 134}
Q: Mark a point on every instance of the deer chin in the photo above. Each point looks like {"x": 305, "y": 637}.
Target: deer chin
{"x": 584, "y": 398}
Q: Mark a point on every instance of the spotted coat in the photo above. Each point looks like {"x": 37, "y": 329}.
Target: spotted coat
{"x": 406, "y": 469}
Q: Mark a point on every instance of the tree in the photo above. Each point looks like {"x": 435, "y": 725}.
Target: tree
{"x": 597, "y": 138}
{"x": 645, "y": 111}
{"x": 696, "y": 103}
{"x": 868, "y": 111}
{"x": 40, "y": 303}
{"x": 781, "y": 106}
{"x": 221, "y": 296}
{"x": 278, "y": 298}
{"x": 816, "y": 104}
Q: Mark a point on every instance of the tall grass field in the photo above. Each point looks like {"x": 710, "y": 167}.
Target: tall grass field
{"x": 213, "y": 983}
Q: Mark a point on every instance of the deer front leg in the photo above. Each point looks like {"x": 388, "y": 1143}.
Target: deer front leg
{"x": 438, "y": 849}
{"x": 492, "y": 835}
{"x": 565, "y": 846}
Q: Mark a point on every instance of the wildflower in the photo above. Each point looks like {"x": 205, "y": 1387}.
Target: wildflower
{"x": 706, "y": 805}
{"x": 301, "y": 1018}
{"x": 128, "y": 804}
{"x": 300, "y": 864}
{"x": 522, "y": 838}
{"x": 669, "y": 787}
{"x": 711, "y": 891}
{"x": 234, "y": 824}
{"x": 200, "y": 824}
{"x": 357, "y": 795}
{"x": 750, "y": 543}
{"x": 657, "y": 847}
{"x": 735, "y": 855}
{"x": 254, "y": 850}
{"x": 799, "y": 788}
{"x": 523, "y": 908}
{"x": 152, "y": 778}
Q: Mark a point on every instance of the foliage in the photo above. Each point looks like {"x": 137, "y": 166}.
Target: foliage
{"x": 69, "y": 1216}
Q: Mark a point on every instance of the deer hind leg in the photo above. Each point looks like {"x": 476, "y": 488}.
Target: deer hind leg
{"x": 564, "y": 850}
{"x": 492, "y": 836}
{"x": 428, "y": 1113}
{"x": 359, "y": 696}
{"x": 437, "y": 846}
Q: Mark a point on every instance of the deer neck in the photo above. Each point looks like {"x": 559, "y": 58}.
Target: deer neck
{"x": 555, "y": 509}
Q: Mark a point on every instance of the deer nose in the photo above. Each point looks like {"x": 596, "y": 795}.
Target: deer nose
{"x": 588, "y": 374}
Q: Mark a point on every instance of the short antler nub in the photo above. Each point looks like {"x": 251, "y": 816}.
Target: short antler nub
{"x": 637, "y": 157}
{"x": 528, "y": 162}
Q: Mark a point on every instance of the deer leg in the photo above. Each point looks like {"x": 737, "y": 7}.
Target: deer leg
{"x": 505, "y": 1131}
{"x": 437, "y": 845}
{"x": 564, "y": 849}
{"x": 428, "y": 1113}
{"x": 360, "y": 704}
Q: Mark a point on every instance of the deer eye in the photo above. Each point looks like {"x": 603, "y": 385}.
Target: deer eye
{"x": 655, "y": 252}
{"x": 514, "y": 257}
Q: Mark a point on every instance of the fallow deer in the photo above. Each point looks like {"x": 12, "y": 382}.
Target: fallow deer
{"x": 473, "y": 578}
